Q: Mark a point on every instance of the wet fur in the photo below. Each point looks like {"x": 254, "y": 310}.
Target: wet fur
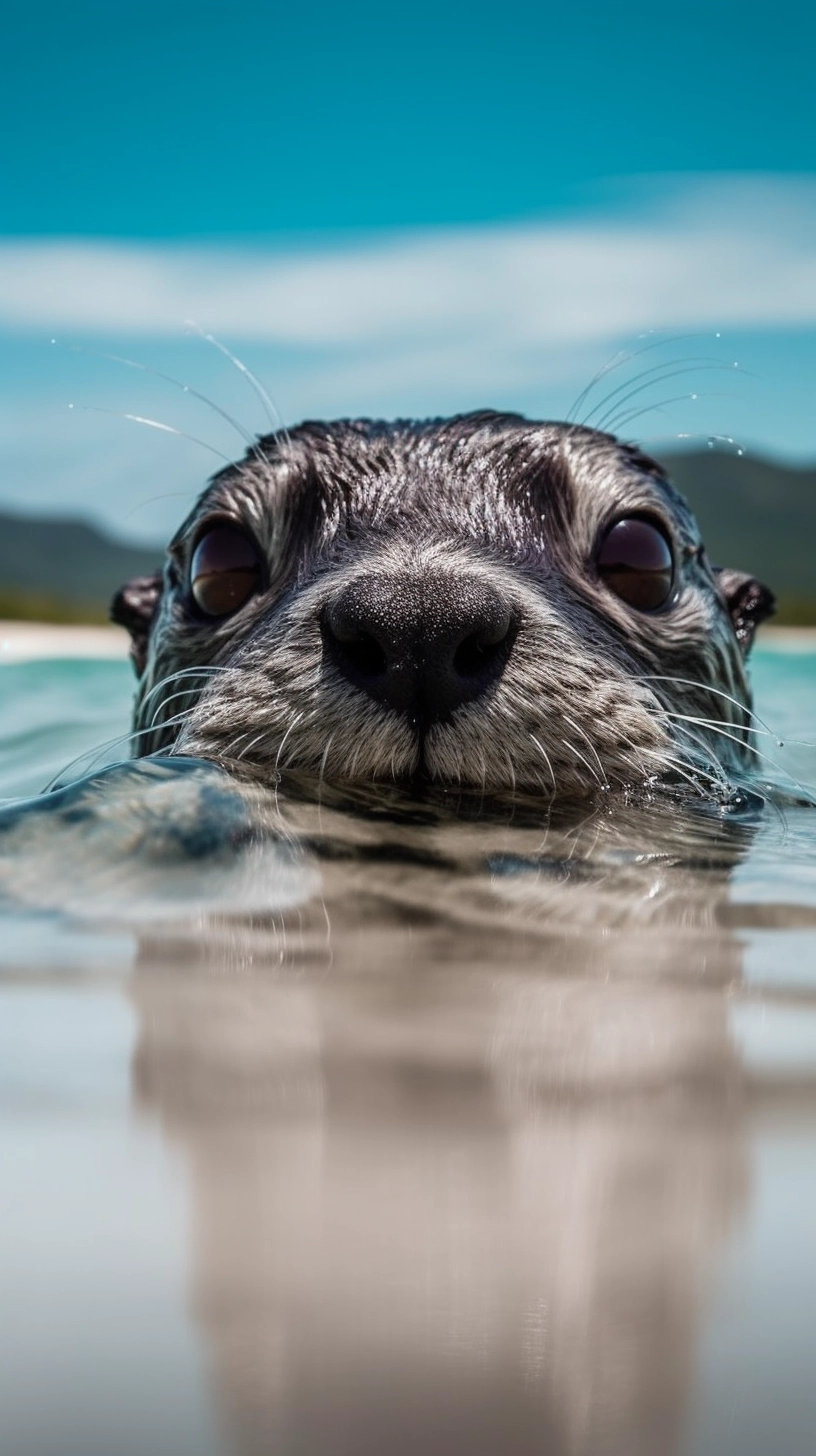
{"x": 580, "y": 707}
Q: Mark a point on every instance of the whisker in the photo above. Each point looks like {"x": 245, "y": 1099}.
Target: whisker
{"x": 685, "y": 769}
{"x": 622, "y": 421}
{"x": 623, "y": 356}
{"x": 707, "y": 751}
{"x": 155, "y": 721}
{"x": 578, "y": 729}
{"x": 393, "y": 764}
{"x": 245, "y": 752}
{"x": 151, "y": 500}
{"x": 93, "y": 754}
{"x": 763, "y": 757}
{"x": 688, "y": 682}
{"x": 661, "y": 374}
{"x": 97, "y": 409}
{"x": 272, "y": 411}
{"x": 654, "y": 375}
{"x": 546, "y": 759}
{"x": 227, "y": 753}
{"x": 325, "y": 756}
{"x": 751, "y": 786}
{"x": 759, "y": 732}
{"x": 706, "y": 765}
{"x": 169, "y": 379}
{"x": 172, "y": 677}
{"x": 709, "y": 440}
{"x": 99, "y": 750}
{"x": 585, "y": 761}
{"x": 297, "y": 718}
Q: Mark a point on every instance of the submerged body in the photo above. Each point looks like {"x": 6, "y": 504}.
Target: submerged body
{"x": 481, "y": 601}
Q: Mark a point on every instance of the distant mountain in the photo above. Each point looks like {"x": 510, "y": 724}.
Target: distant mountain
{"x": 64, "y": 569}
{"x": 754, "y": 514}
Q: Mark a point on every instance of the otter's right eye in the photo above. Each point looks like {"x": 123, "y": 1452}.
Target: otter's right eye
{"x": 225, "y": 570}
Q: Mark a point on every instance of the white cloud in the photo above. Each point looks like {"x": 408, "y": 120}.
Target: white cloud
{"x": 736, "y": 256}
{"x": 514, "y": 317}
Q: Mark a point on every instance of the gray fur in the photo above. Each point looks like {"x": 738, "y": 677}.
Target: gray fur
{"x": 580, "y": 707}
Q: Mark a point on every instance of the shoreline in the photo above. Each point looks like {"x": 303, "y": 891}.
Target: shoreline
{"x": 43, "y": 641}
{"x": 788, "y": 639}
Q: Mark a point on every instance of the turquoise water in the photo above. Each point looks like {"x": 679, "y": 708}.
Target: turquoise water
{"x": 55, "y": 710}
{"x": 376, "y": 1130}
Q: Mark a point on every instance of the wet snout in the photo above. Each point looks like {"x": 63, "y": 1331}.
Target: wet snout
{"x": 421, "y": 646}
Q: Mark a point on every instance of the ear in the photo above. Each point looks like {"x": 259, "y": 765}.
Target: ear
{"x": 748, "y": 603}
{"x": 134, "y": 607}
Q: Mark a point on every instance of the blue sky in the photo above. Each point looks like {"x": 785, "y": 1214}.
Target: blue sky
{"x": 394, "y": 210}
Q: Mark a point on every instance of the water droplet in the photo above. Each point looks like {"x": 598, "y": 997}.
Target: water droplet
{"x": 718, "y": 336}
{"x": 70, "y": 406}
{"x": 740, "y": 450}
{"x": 53, "y": 341}
{"x": 692, "y": 396}
{"x": 710, "y": 444}
{"x": 736, "y": 363}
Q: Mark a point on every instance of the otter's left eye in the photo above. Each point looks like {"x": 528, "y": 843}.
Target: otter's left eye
{"x": 225, "y": 570}
{"x": 636, "y": 562}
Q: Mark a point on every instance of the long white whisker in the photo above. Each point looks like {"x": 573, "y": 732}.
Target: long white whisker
{"x": 228, "y": 752}
{"x": 172, "y": 677}
{"x": 660, "y": 375}
{"x": 297, "y": 718}
{"x": 684, "y": 769}
{"x": 710, "y": 440}
{"x": 96, "y": 409}
{"x": 272, "y": 411}
{"x": 546, "y": 759}
{"x": 623, "y": 357}
{"x": 709, "y": 755}
{"x": 325, "y": 756}
{"x": 621, "y": 422}
{"x": 578, "y": 729}
{"x": 99, "y": 751}
{"x": 247, "y": 749}
{"x": 758, "y": 732}
{"x": 763, "y": 757}
{"x": 169, "y": 379}
{"x": 155, "y": 722}
{"x": 689, "y": 682}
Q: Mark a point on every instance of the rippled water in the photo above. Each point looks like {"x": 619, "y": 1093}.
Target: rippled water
{"x": 331, "y": 1128}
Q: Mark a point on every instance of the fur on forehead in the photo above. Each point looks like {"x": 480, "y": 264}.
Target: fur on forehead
{"x": 494, "y": 478}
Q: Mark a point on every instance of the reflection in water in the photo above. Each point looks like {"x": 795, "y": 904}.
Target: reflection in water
{"x": 464, "y": 1133}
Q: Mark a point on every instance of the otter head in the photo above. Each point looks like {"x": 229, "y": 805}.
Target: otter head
{"x": 477, "y": 601}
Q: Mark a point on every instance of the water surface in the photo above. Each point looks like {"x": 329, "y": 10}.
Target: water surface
{"x": 387, "y": 1128}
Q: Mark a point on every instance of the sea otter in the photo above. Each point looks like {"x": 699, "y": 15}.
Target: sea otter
{"x": 479, "y": 601}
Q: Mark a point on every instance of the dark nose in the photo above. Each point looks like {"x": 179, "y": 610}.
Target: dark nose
{"x": 419, "y": 647}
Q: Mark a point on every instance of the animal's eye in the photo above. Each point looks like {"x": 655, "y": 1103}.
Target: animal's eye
{"x": 636, "y": 562}
{"x": 225, "y": 570}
